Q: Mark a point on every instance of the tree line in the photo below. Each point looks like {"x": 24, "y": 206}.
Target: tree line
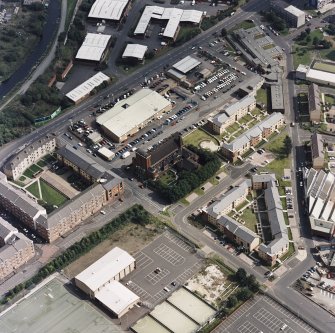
{"x": 189, "y": 180}
{"x": 136, "y": 214}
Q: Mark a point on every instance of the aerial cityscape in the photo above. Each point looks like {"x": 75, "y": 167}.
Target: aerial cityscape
{"x": 167, "y": 166}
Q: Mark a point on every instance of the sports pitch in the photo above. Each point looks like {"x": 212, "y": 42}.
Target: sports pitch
{"x": 54, "y": 309}
{"x": 322, "y": 66}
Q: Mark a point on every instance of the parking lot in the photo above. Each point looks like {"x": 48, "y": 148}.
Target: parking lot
{"x": 263, "y": 314}
{"x": 162, "y": 266}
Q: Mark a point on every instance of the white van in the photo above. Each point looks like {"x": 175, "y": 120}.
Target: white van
{"x": 166, "y": 289}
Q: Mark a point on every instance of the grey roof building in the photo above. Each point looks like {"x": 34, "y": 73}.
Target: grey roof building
{"x": 277, "y": 98}
{"x": 82, "y": 161}
{"x": 314, "y": 104}
{"x": 216, "y": 208}
{"x": 243, "y": 234}
{"x": 255, "y": 131}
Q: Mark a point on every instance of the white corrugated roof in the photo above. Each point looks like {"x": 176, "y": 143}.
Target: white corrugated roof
{"x": 132, "y": 112}
{"x": 186, "y": 64}
{"x": 135, "y": 51}
{"x": 148, "y": 13}
{"x": 106, "y": 152}
{"x": 105, "y": 268}
{"x": 93, "y": 47}
{"x": 314, "y": 74}
{"x": 86, "y": 87}
{"x": 108, "y": 9}
{"x": 116, "y": 297}
{"x": 173, "y": 15}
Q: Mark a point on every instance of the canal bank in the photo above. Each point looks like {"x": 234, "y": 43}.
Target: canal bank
{"x": 50, "y": 29}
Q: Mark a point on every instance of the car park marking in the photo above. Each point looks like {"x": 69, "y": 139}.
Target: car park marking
{"x": 154, "y": 278}
{"x": 178, "y": 241}
{"x": 169, "y": 255}
{"x": 270, "y": 320}
{"x": 290, "y": 315}
{"x": 247, "y": 327}
{"x": 142, "y": 260}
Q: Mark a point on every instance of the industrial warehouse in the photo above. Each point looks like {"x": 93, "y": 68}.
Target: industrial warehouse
{"x": 94, "y": 48}
{"x": 173, "y": 16}
{"x": 101, "y": 281}
{"x": 83, "y": 90}
{"x": 111, "y": 10}
{"x": 132, "y": 114}
{"x": 135, "y": 51}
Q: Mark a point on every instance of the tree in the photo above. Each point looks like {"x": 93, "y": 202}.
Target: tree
{"x": 252, "y": 283}
{"x": 223, "y": 32}
{"x": 244, "y": 294}
{"x": 316, "y": 40}
{"x": 308, "y": 30}
{"x": 241, "y": 276}
{"x": 231, "y": 301}
{"x": 287, "y": 145}
{"x": 308, "y": 39}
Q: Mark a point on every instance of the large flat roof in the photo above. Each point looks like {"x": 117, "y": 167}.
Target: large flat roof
{"x": 149, "y": 325}
{"x": 173, "y": 15}
{"x": 135, "y": 51}
{"x": 132, "y": 111}
{"x": 53, "y": 308}
{"x": 105, "y": 268}
{"x": 108, "y": 9}
{"x": 191, "y": 305}
{"x": 295, "y": 11}
{"x": 116, "y": 297}
{"x": 186, "y": 64}
{"x": 173, "y": 319}
{"x": 86, "y": 87}
{"x": 93, "y": 47}
{"x": 315, "y": 74}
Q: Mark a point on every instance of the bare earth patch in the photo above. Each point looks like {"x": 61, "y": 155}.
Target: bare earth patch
{"x": 209, "y": 284}
{"x": 209, "y": 145}
{"x": 132, "y": 238}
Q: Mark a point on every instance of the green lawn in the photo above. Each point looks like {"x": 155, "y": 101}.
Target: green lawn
{"x": 167, "y": 178}
{"x": 50, "y": 195}
{"x": 250, "y": 219}
{"x": 269, "y": 46}
{"x": 35, "y": 168}
{"x": 71, "y": 4}
{"x": 33, "y": 189}
{"x": 41, "y": 163}
{"x": 328, "y": 54}
{"x": 303, "y": 50}
{"x": 244, "y": 25}
{"x": 196, "y": 137}
{"x": 301, "y": 56}
{"x": 28, "y": 173}
{"x": 327, "y": 67}
{"x": 281, "y": 162}
{"x": 330, "y": 99}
